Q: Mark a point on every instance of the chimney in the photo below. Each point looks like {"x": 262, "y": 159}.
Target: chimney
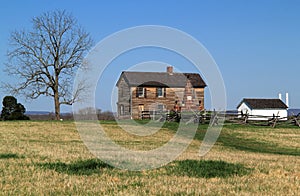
{"x": 170, "y": 70}
{"x": 287, "y": 99}
{"x": 280, "y": 96}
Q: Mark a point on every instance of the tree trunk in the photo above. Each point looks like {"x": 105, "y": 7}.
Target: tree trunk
{"x": 57, "y": 106}
{"x": 56, "y": 95}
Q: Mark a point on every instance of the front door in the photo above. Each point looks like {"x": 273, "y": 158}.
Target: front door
{"x": 141, "y": 109}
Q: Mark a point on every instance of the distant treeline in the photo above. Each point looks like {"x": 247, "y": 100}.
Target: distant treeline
{"x": 106, "y": 115}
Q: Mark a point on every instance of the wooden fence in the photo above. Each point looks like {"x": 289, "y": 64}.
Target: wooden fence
{"x": 214, "y": 117}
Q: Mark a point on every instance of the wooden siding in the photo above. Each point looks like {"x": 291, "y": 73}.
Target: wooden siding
{"x": 262, "y": 114}
{"x": 151, "y": 101}
{"x": 128, "y": 99}
{"x": 124, "y": 98}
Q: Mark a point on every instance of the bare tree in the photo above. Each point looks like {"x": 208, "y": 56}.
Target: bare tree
{"x": 45, "y": 58}
{"x": 87, "y": 113}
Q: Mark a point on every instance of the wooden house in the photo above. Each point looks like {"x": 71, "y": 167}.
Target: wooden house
{"x": 263, "y": 109}
{"x": 158, "y": 91}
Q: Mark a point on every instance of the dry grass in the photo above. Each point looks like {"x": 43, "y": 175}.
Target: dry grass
{"x": 35, "y": 158}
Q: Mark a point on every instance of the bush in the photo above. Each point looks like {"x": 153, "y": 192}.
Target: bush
{"x": 12, "y": 110}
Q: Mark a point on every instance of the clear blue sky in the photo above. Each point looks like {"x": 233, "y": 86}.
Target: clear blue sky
{"x": 256, "y": 44}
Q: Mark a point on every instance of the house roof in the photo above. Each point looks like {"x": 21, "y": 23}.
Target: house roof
{"x": 264, "y": 103}
{"x": 162, "y": 79}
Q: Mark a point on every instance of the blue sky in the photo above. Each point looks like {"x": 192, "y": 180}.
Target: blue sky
{"x": 256, "y": 44}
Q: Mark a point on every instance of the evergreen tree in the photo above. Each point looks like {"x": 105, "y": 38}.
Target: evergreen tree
{"x": 12, "y": 110}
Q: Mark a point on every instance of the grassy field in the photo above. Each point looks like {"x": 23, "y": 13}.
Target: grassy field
{"x": 50, "y": 158}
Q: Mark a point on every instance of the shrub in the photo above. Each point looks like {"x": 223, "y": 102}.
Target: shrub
{"x": 12, "y": 110}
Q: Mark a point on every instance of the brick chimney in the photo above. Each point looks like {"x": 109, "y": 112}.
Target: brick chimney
{"x": 170, "y": 69}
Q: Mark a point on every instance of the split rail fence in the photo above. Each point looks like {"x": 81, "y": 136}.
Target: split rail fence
{"x": 214, "y": 117}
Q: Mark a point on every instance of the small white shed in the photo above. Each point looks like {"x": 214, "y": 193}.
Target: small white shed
{"x": 263, "y": 109}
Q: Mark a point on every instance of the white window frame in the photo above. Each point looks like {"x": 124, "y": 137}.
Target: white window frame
{"x": 143, "y": 90}
{"x": 162, "y": 91}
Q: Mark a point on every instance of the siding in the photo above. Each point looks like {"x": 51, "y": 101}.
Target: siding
{"x": 123, "y": 98}
{"x": 262, "y": 112}
{"x": 151, "y": 101}
{"x": 130, "y": 102}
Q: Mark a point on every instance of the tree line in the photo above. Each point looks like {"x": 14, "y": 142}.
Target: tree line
{"x": 12, "y": 110}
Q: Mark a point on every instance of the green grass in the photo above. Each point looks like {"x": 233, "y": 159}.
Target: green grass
{"x": 253, "y": 139}
{"x": 190, "y": 168}
{"x": 49, "y": 158}
{"x": 206, "y": 169}
{"x": 238, "y": 142}
{"x": 250, "y": 138}
{"x": 10, "y": 156}
{"x": 80, "y": 167}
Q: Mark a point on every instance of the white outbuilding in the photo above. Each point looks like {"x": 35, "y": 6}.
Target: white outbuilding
{"x": 263, "y": 109}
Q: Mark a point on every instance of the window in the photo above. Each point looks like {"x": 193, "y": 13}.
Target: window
{"x": 193, "y": 93}
{"x": 140, "y": 92}
{"x": 161, "y": 92}
{"x": 122, "y": 110}
{"x": 160, "y": 107}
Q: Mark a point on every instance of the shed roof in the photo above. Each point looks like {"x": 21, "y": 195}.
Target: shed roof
{"x": 162, "y": 79}
{"x": 264, "y": 103}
